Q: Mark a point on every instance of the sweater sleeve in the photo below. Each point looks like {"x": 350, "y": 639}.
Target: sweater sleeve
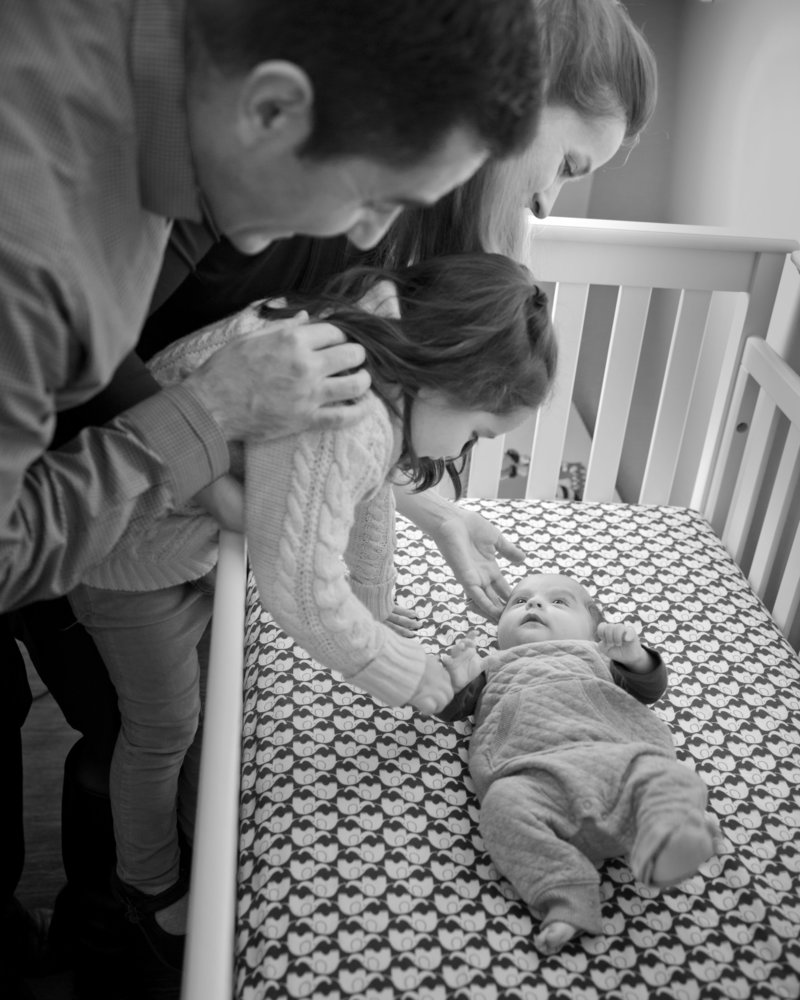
{"x": 370, "y": 553}
{"x": 301, "y": 493}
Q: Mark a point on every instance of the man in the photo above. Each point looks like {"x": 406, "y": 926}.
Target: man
{"x": 258, "y": 120}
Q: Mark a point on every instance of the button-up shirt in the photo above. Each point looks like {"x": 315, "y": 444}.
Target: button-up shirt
{"x": 94, "y": 164}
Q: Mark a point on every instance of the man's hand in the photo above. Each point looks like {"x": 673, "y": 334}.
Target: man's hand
{"x": 621, "y": 643}
{"x": 434, "y": 690}
{"x": 463, "y": 662}
{"x": 281, "y": 377}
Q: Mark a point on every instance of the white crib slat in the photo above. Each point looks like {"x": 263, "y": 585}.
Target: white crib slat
{"x": 676, "y": 391}
{"x": 619, "y": 378}
{"x": 784, "y": 492}
{"x": 723, "y": 478}
{"x": 787, "y": 602}
{"x": 550, "y": 430}
{"x": 485, "y": 466}
{"x": 750, "y": 478}
{"x": 208, "y": 966}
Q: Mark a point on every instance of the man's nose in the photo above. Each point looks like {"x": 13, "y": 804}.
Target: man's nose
{"x": 367, "y": 232}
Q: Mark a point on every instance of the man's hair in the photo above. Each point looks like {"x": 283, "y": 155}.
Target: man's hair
{"x": 596, "y": 62}
{"x": 391, "y": 79}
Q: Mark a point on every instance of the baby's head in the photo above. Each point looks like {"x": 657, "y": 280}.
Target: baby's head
{"x": 548, "y": 606}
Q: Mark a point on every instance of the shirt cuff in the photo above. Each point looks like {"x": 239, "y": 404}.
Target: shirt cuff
{"x": 180, "y": 431}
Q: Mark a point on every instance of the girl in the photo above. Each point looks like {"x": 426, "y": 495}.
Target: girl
{"x": 471, "y": 355}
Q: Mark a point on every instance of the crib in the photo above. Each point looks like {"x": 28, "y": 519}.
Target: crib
{"x": 337, "y": 852}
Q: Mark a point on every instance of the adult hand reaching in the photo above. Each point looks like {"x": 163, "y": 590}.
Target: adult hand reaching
{"x": 280, "y": 377}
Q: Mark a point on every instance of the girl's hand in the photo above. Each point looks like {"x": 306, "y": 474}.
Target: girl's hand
{"x": 620, "y": 642}
{"x": 434, "y": 690}
{"x": 404, "y": 621}
{"x": 471, "y": 545}
{"x": 462, "y": 661}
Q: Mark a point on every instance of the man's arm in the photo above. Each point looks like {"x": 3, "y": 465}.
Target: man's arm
{"x": 63, "y": 511}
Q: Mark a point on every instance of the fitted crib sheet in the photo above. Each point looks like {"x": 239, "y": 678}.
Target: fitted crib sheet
{"x": 361, "y": 870}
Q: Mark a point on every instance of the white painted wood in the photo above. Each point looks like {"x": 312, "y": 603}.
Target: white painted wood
{"x": 676, "y": 393}
{"x": 208, "y": 963}
{"x": 550, "y": 428}
{"x": 615, "y": 397}
{"x": 784, "y": 497}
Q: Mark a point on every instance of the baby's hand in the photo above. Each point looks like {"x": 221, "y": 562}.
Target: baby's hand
{"x": 434, "y": 690}
{"x": 620, "y": 642}
{"x": 462, "y": 661}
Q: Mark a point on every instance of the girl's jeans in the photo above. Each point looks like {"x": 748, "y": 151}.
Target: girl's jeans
{"x": 155, "y": 646}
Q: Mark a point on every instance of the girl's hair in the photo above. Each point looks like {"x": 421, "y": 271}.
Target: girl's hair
{"x": 599, "y": 64}
{"x": 473, "y": 327}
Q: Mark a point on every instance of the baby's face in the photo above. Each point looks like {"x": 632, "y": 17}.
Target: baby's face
{"x": 545, "y": 606}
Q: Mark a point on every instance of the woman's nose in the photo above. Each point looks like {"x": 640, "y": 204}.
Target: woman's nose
{"x": 541, "y": 205}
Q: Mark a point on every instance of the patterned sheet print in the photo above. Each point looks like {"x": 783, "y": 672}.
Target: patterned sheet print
{"x": 362, "y": 872}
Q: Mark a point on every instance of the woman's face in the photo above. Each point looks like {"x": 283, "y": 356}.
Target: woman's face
{"x": 567, "y": 146}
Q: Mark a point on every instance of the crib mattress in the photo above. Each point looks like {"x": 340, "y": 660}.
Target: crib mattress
{"x": 362, "y": 873}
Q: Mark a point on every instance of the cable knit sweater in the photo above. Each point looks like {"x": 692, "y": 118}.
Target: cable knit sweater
{"x": 319, "y": 521}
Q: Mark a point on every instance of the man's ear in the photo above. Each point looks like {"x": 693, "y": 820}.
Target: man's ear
{"x": 276, "y": 105}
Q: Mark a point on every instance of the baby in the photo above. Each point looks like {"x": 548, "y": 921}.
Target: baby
{"x": 569, "y": 765}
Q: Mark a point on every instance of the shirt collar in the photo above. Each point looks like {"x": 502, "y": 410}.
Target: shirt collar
{"x": 168, "y": 182}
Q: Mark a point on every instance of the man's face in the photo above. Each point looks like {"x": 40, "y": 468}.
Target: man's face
{"x": 543, "y": 607}
{"x": 263, "y": 195}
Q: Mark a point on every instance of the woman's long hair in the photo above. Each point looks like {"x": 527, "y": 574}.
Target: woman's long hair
{"x": 599, "y": 64}
{"x": 474, "y": 327}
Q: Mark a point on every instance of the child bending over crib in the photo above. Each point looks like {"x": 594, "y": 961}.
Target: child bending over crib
{"x": 569, "y": 765}
{"x": 471, "y": 355}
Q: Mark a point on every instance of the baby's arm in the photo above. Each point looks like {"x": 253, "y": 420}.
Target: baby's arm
{"x": 638, "y": 670}
{"x": 621, "y": 643}
{"x": 465, "y": 665}
{"x": 463, "y": 662}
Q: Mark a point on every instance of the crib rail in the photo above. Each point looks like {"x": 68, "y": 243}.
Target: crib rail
{"x": 759, "y": 470}
{"x": 659, "y": 370}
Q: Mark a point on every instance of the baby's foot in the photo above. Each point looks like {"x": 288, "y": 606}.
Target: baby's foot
{"x": 554, "y": 936}
{"x": 685, "y": 849}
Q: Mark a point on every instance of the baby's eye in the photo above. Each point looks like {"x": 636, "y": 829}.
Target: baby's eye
{"x": 559, "y": 600}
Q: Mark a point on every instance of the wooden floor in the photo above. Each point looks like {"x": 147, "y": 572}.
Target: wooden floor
{"x": 46, "y": 740}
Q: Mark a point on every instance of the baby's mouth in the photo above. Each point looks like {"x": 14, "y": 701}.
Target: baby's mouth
{"x": 532, "y": 617}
